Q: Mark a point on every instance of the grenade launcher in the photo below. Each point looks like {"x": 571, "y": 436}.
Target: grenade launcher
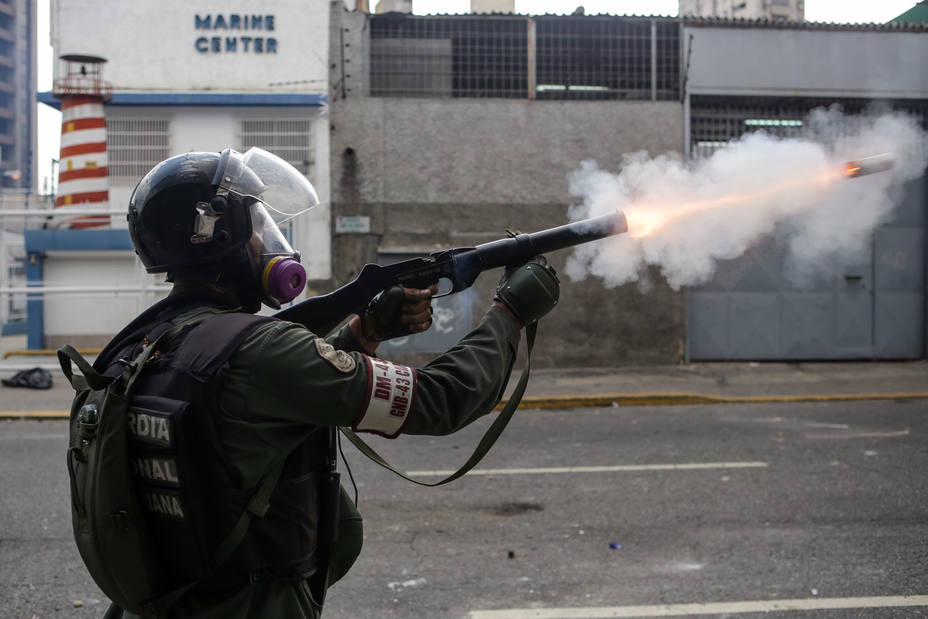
{"x": 459, "y": 266}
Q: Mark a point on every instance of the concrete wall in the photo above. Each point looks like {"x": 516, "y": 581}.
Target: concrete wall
{"x": 441, "y": 173}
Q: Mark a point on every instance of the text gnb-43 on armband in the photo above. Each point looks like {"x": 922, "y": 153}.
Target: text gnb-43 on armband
{"x": 391, "y": 391}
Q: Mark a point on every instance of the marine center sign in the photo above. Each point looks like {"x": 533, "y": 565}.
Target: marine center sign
{"x": 235, "y": 33}
{"x": 226, "y": 46}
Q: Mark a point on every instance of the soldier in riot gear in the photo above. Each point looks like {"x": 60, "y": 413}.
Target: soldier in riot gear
{"x": 268, "y": 398}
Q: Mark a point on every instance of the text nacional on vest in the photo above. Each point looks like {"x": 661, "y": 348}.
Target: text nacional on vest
{"x": 242, "y": 33}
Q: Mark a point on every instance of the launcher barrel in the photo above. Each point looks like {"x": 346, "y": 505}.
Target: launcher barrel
{"x": 518, "y": 248}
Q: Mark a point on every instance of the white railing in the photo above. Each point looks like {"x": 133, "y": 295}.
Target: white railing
{"x": 35, "y": 291}
{"x": 64, "y": 211}
{"x": 16, "y": 217}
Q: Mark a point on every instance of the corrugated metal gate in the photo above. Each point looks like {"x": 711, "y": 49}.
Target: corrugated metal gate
{"x": 873, "y": 308}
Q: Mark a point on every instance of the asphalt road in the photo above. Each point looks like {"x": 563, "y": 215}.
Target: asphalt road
{"x": 819, "y": 507}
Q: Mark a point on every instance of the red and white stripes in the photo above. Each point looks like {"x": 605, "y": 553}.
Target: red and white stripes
{"x": 82, "y": 172}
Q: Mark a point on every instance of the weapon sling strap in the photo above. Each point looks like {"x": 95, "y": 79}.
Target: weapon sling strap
{"x": 489, "y": 437}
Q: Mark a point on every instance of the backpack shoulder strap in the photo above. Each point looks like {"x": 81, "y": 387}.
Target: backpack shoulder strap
{"x": 89, "y": 379}
{"x": 208, "y": 346}
{"x": 203, "y": 352}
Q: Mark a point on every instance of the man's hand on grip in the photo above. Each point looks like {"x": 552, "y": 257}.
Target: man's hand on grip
{"x": 529, "y": 290}
{"x": 396, "y": 312}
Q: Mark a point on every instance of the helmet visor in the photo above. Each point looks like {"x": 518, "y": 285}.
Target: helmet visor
{"x": 266, "y": 177}
{"x": 267, "y": 240}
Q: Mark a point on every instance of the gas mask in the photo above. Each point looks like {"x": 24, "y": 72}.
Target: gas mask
{"x": 273, "y": 192}
{"x": 275, "y": 264}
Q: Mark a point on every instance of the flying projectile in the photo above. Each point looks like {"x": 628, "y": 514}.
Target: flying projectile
{"x": 868, "y": 165}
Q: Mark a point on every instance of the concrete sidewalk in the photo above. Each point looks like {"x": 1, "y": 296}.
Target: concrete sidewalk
{"x": 694, "y": 383}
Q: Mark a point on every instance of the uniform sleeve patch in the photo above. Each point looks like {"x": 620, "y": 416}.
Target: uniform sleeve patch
{"x": 391, "y": 391}
{"x": 339, "y": 359}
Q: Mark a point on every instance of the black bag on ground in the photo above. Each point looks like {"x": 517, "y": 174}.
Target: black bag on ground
{"x": 36, "y": 378}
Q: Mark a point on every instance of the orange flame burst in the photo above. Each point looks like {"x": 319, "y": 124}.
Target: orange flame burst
{"x": 647, "y": 218}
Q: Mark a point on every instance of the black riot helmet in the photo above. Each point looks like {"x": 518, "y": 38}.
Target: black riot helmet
{"x": 214, "y": 216}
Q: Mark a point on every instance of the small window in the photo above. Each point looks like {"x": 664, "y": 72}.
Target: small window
{"x": 288, "y": 138}
{"x": 134, "y": 145}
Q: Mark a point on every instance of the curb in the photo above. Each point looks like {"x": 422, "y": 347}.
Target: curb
{"x": 681, "y": 399}
{"x": 34, "y": 414}
{"x": 612, "y": 399}
{"x": 47, "y": 352}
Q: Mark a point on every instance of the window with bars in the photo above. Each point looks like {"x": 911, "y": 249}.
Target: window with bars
{"x": 715, "y": 120}
{"x": 448, "y": 56}
{"x": 135, "y": 145}
{"x": 545, "y": 57}
{"x": 593, "y": 58}
{"x": 289, "y": 139}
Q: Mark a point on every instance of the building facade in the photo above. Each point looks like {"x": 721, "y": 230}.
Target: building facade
{"x": 198, "y": 78}
{"x": 429, "y": 132}
{"x": 460, "y": 127}
{"x": 772, "y": 10}
{"x": 747, "y": 78}
{"x": 449, "y": 130}
{"x": 17, "y": 94}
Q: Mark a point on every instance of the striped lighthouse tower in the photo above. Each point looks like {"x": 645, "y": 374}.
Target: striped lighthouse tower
{"x": 82, "y": 165}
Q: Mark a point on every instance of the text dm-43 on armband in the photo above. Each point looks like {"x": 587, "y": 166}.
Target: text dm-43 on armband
{"x": 391, "y": 393}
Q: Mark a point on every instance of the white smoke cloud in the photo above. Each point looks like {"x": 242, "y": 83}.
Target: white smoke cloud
{"x": 685, "y": 217}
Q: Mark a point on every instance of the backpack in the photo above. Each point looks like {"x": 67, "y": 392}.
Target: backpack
{"x": 107, "y": 516}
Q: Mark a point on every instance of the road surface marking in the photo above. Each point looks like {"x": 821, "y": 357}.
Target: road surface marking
{"x": 712, "y": 608}
{"x": 620, "y": 468}
{"x": 844, "y": 436}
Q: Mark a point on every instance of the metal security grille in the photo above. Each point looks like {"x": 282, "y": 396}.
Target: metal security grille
{"x": 667, "y": 59}
{"x": 714, "y": 121}
{"x": 135, "y": 145}
{"x": 449, "y": 56}
{"x": 547, "y": 57}
{"x": 289, "y": 139}
{"x": 607, "y": 58}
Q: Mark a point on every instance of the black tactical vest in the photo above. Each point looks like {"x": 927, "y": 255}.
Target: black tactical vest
{"x": 191, "y": 491}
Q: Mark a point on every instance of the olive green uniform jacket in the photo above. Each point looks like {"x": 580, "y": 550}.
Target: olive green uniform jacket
{"x": 283, "y": 381}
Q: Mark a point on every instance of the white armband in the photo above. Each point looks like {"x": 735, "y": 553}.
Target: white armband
{"x": 391, "y": 391}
